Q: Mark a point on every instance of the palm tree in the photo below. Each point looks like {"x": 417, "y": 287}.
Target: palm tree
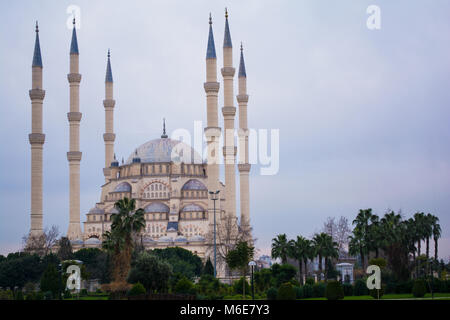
{"x": 280, "y": 248}
{"x": 299, "y": 250}
{"x": 325, "y": 247}
{"x": 361, "y": 231}
{"x": 119, "y": 240}
{"x": 419, "y": 219}
{"x": 436, "y": 235}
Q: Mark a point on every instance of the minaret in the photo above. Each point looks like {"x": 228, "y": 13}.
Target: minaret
{"x": 109, "y": 137}
{"x": 229, "y": 111}
{"x": 244, "y": 166}
{"x": 212, "y": 131}
{"x": 37, "y": 139}
{"x": 74, "y": 154}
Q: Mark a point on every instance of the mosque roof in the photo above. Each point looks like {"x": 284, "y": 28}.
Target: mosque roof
{"x": 92, "y": 241}
{"x": 194, "y": 184}
{"x": 156, "y": 207}
{"x": 96, "y": 210}
{"x": 123, "y": 187}
{"x": 192, "y": 208}
{"x": 165, "y": 150}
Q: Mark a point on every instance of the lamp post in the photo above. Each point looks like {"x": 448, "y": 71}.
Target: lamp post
{"x": 214, "y": 197}
{"x": 252, "y": 264}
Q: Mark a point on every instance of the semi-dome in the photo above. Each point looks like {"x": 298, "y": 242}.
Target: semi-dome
{"x": 123, "y": 187}
{"x": 165, "y": 239}
{"x": 148, "y": 240}
{"x": 78, "y": 242}
{"x": 96, "y": 210}
{"x": 92, "y": 241}
{"x": 157, "y": 207}
{"x": 194, "y": 184}
{"x": 165, "y": 150}
{"x": 192, "y": 208}
{"x": 180, "y": 239}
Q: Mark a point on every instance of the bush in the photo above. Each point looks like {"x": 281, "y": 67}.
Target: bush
{"x": 48, "y": 295}
{"x": 83, "y": 292}
{"x": 319, "y": 290}
{"x": 272, "y": 294}
{"x": 67, "y": 294}
{"x": 39, "y": 296}
{"x": 334, "y": 291}
{"x": 136, "y": 290}
{"x": 404, "y": 287}
{"x": 310, "y": 281}
{"x": 19, "y": 295}
{"x": 377, "y": 294}
{"x": 419, "y": 289}
{"x": 30, "y": 296}
{"x": 238, "y": 286}
{"x": 348, "y": 289}
{"x": 298, "y": 292}
{"x": 307, "y": 291}
{"x": 378, "y": 262}
{"x": 184, "y": 286}
{"x": 6, "y": 295}
{"x": 286, "y": 292}
{"x": 360, "y": 288}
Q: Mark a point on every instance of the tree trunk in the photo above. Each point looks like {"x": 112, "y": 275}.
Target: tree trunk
{"x": 418, "y": 247}
{"x": 428, "y": 255}
{"x": 320, "y": 263}
{"x": 436, "y": 249}
{"x": 376, "y": 252}
{"x": 300, "y": 272}
{"x": 362, "y": 258}
{"x": 326, "y": 269}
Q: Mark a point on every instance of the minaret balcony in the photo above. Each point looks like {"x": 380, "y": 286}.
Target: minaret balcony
{"x": 242, "y": 98}
{"x": 74, "y": 156}
{"x": 228, "y": 71}
{"x": 74, "y": 116}
{"x": 36, "y": 138}
{"x": 244, "y": 167}
{"x": 109, "y": 137}
{"x": 211, "y": 87}
{"x": 74, "y": 77}
{"x": 37, "y": 94}
{"x": 109, "y": 103}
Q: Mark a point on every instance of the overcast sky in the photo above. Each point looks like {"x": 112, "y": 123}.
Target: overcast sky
{"x": 363, "y": 114}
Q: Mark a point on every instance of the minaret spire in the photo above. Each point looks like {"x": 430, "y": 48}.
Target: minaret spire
{"x": 229, "y": 112}
{"x": 36, "y": 139}
{"x": 37, "y": 59}
{"x": 74, "y": 154}
{"x": 211, "y": 49}
{"x": 109, "y": 137}
{"x": 164, "y": 135}
{"x": 243, "y": 166}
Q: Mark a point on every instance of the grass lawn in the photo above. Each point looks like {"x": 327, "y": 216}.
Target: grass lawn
{"x": 440, "y": 296}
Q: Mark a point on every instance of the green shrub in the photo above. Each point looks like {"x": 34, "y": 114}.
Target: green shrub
{"x": 319, "y": 290}
{"x": 360, "y": 288}
{"x": 310, "y": 281}
{"x": 348, "y": 289}
{"x": 334, "y": 290}
{"x": 404, "y": 287}
{"x": 19, "y": 295}
{"x": 30, "y": 296}
{"x": 184, "y": 286}
{"x": 238, "y": 286}
{"x": 136, "y": 290}
{"x": 39, "y": 296}
{"x": 377, "y": 294}
{"x": 286, "y": 292}
{"x": 298, "y": 292}
{"x": 67, "y": 294}
{"x": 307, "y": 291}
{"x": 48, "y": 295}
{"x": 272, "y": 294}
{"x": 419, "y": 289}
{"x": 378, "y": 262}
{"x": 83, "y": 292}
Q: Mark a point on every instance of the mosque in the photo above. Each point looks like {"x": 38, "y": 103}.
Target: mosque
{"x": 166, "y": 177}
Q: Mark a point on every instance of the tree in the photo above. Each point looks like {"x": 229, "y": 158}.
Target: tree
{"x": 208, "y": 268}
{"x": 152, "y": 272}
{"x": 326, "y": 248}
{"x": 339, "y": 231}
{"x": 96, "y": 261}
{"x": 41, "y": 244}
{"x": 361, "y": 233}
{"x": 119, "y": 241}
{"x": 300, "y": 250}
{"x": 280, "y": 248}
{"x": 436, "y": 235}
{"x": 51, "y": 281}
{"x": 182, "y": 261}
{"x": 65, "y": 249}
{"x": 239, "y": 258}
{"x": 18, "y": 269}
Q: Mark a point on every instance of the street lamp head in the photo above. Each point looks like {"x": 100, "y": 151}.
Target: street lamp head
{"x": 252, "y": 263}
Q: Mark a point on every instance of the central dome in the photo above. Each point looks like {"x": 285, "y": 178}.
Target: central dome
{"x": 165, "y": 150}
